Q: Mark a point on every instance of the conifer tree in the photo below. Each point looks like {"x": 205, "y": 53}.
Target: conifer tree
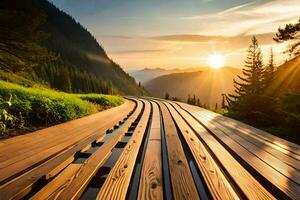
{"x": 167, "y": 96}
{"x": 251, "y": 83}
{"x": 194, "y": 100}
{"x": 223, "y": 101}
{"x": 269, "y": 70}
{"x": 189, "y": 99}
{"x": 250, "y": 103}
{"x": 65, "y": 82}
{"x": 198, "y": 102}
{"x": 19, "y": 35}
{"x": 290, "y": 33}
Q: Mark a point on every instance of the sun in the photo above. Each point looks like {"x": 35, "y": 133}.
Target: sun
{"x": 216, "y": 61}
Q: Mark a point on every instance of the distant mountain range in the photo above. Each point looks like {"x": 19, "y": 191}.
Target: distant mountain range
{"x": 77, "y": 48}
{"x": 147, "y": 74}
{"x": 207, "y": 84}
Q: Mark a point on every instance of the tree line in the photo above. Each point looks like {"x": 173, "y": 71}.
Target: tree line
{"x": 70, "y": 79}
{"x": 21, "y": 52}
{"x": 252, "y": 103}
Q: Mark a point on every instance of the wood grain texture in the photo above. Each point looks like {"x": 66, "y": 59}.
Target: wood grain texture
{"x": 266, "y": 146}
{"x": 280, "y": 144}
{"x": 234, "y": 160}
{"x": 181, "y": 177}
{"x": 17, "y": 186}
{"x": 13, "y": 146}
{"x": 218, "y": 185}
{"x": 41, "y": 165}
{"x": 116, "y": 184}
{"x": 73, "y": 188}
{"x": 74, "y": 131}
{"x": 49, "y": 192}
{"x": 151, "y": 181}
{"x": 60, "y": 167}
{"x": 250, "y": 187}
{"x": 284, "y": 164}
{"x": 283, "y": 183}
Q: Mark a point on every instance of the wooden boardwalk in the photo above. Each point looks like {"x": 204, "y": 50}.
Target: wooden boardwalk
{"x": 150, "y": 149}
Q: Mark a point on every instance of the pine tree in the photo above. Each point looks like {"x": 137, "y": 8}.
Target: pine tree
{"x": 252, "y": 80}
{"x": 194, "y": 100}
{"x": 223, "y": 101}
{"x": 198, "y": 102}
{"x": 167, "y": 96}
{"x": 189, "y": 99}
{"x": 269, "y": 71}
{"x": 290, "y": 33}
{"x": 65, "y": 82}
{"x": 250, "y": 103}
{"x": 20, "y": 35}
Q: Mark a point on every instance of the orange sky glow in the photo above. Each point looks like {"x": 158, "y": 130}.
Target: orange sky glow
{"x": 177, "y": 34}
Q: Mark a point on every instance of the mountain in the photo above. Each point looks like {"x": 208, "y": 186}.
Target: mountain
{"x": 287, "y": 78}
{"x": 208, "y": 85}
{"x": 79, "y": 50}
{"x": 147, "y": 74}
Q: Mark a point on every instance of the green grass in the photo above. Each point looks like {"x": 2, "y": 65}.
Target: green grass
{"x": 41, "y": 107}
{"x": 15, "y": 78}
{"x": 103, "y": 100}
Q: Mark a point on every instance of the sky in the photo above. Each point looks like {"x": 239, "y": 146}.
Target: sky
{"x": 182, "y": 33}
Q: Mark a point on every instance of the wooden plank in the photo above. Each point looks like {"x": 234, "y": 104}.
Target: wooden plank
{"x": 267, "y": 146}
{"x": 275, "y": 178}
{"x": 285, "y": 146}
{"x": 59, "y": 168}
{"x": 275, "y": 143}
{"x": 230, "y": 123}
{"x": 57, "y": 183}
{"x": 17, "y": 186}
{"x": 181, "y": 177}
{"x": 18, "y": 143}
{"x": 26, "y": 143}
{"x": 34, "y": 155}
{"x": 116, "y": 185}
{"x": 218, "y": 185}
{"x": 151, "y": 181}
{"x": 73, "y": 187}
{"x": 239, "y": 176}
{"x": 282, "y": 182}
{"x": 66, "y": 139}
{"x": 284, "y": 164}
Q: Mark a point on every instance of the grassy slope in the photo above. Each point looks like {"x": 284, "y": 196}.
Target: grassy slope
{"x": 39, "y": 107}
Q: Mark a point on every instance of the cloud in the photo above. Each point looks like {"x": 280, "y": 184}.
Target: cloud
{"x": 240, "y": 40}
{"x": 139, "y": 51}
{"x": 253, "y": 18}
{"x": 187, "y": 38}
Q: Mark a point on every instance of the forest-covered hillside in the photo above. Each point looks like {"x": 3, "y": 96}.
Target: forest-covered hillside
{"x": 78, "y": 49}
{"x": 43, "y": 50}
{"x": 62, "y": 53}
